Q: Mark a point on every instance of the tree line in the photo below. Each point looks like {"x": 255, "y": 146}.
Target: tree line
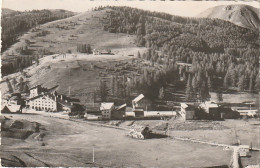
{"x": 18, "y": 63}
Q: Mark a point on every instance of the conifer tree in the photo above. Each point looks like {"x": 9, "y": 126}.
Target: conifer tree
{"x": 21, "y": 83}
{"x": 188, "y": 92}
{"x": 219, "y": 95}
{"x": 209, "y": 83}
{"x": 26, "y": 88}
{"x": 161, "y": 93}
{"x": 10, "y": 88}
{"x": 103, "y": 90}
{"x": 251, "y": 84}
{"x": 241, "y": 83}
{"x": 112, "y": 85}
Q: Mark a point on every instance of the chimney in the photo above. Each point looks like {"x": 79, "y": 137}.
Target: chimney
{"x": 55, "y": 98}
{"x": 61, "y": 97}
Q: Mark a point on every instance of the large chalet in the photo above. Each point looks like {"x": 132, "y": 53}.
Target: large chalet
{"x": 44, "y": 99}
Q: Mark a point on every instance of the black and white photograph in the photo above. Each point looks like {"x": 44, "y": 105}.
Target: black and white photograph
{"x": 130, "y": 84}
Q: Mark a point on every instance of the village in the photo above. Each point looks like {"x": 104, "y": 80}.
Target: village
{"x": 44, "y": 100}
{"x": 48, "y": 100}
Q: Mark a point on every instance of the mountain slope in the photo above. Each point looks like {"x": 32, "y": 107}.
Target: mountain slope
{"x": 241, "y": 15}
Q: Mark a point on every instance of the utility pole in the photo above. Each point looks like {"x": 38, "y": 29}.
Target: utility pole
{"x": 69, "y": 90}
{"x": 93, "y": 155}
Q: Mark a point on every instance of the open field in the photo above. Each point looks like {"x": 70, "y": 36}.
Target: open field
{"x": 223, "y": 132}
{"x": 69, "y": 143}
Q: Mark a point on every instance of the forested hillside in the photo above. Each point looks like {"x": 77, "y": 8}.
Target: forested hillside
{"x": 16, "y": 23}
{"x": 222, "y": 54}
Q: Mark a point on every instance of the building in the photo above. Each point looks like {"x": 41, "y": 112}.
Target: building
{"x": 43, "y": 103}
{"x": 15, "y": 99}
{"x": 243, "y": 150}
{"x": 11, "y": 108}
{"x": 159, "y": 114}
{"x": 228, "y": 113}
{"x": 37, "y": 90}
{"x": 93, "y": 111}
{"x": 41, "y": 99}
{"x": 129, "y": 113}
{"x": 136, "y": 100}
{"x": 106, "y": 109}
{"x": 12, "y": 104}
{"x": 140, "y": 102}
{"x": 119, "y": 112}
{"x": 208, "y": 106}
{"x": 187, "y": 111}
{"x": 101, "y": 51}
{"x": 245, "y": 111}
{"x": 141, "y": 108}
{"x": 211, "y": 109}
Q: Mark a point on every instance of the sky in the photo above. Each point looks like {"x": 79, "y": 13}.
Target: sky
{"x": 181, "y": 8}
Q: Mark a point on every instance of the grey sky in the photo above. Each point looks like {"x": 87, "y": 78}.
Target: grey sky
{"x": 182, "y": 8}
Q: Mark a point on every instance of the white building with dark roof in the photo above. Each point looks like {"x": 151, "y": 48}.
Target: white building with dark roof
{"x": 41, "y": 99}
{"x": 43, "y": 102}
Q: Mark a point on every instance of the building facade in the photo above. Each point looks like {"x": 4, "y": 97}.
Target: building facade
{"x": 41, "y": 99}
{"x": 212, "y": 110}
{"x": 187, "y": 111}
{"x": 43, "y": 102}
{"x": 106, "y": 110}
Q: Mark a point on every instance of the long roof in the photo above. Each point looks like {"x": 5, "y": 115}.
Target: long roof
{"x": 138, "y": 98}
{"x": 36, "y": 97}
{"x": 35, "y": 87}
{"x": 122, "y": 106}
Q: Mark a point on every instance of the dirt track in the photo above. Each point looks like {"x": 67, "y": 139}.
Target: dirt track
{"x": 69, "y": 143}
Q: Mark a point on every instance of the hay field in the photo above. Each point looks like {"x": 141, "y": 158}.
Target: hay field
{"x": 69, "y": 143}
